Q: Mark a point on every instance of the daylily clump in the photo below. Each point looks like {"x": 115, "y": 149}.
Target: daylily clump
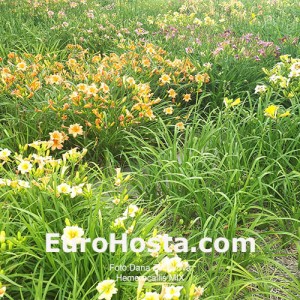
{"x": 231, "y": 103}
{"x": 100, "y": 92}
{"x": 282, "y": 83}
{"x": 172, "y": 292}
{"x": 272, "y": 112}
{"x": 171, "y": 265}
{"x": 25, "y": 170}
{"x": 283, "y": 79}
{"x": 7, "y": 243}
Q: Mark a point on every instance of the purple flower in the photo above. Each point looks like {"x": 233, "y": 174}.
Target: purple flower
{"x": 265, "y": 44}
{"x": 247, "y": 37}
{"x": 226, "y": 33}
{"x": 217, "y": 50}
{"x": 198, "y": 41}
{"x": 189, "y": 50}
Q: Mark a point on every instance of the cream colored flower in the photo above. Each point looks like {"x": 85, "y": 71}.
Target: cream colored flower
{"x": 82, "y": 87}
{"x": 130, "y": 81}
{"x": 172, "y": 93}
{"x": 63, "y": 188}
{"x": 76, "y": 190}
{"x": 180, "y": 125}
{"x": 23, "y": 184}
{"x": 55, "y": 79}
{"x": 104, "y": 87}
{"x": 119, "y": 222}
{"x": 72, "y": 235}
{"x": 116, "y": 200}
{"x": 92, "y": 90}
{"x": 165, "y": 78}
{"x": 187, "y": 97}
{"x": 168, "y": 110}
{"x": 295, "y": 66}
{"x": 2, "y": 291}
{"x": 25, "y": 167}
{"x": 22, "y": 66}
{"x": 56, "y": 135}
{"x": 4, "y": 154}
{"x": 75, "y": 130}
{"x": 172, "y": 292}
{"x": 131, "y": 211}
{"x": 259, "y": 89}
{"x": 199, "y": 77}
{"x": 199, "y": 291}
{"x": 106, "y": 289}
{"x": 151, "y": 296}
{"x": 294, "y": 73}
{"x": 6, "y": 182}
{"x": 171, "y": 265}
